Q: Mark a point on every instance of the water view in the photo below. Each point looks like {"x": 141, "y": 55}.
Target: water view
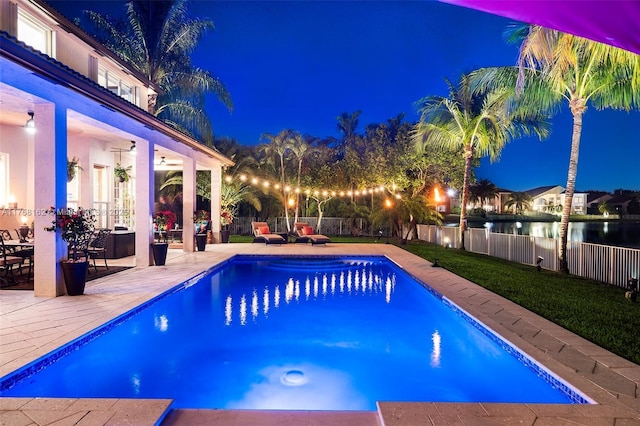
{"x": 614, "y": 233}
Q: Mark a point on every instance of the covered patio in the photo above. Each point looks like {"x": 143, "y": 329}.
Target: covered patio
{"x": 76, "y": 120}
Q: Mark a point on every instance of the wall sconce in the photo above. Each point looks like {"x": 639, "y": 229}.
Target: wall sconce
{"x": 538, "y": 263}
{"x": 12, "y": 204}
{"x": 30, "y": 125}
{"x": 132, "y": 150}
{"x": 162, "y": 162}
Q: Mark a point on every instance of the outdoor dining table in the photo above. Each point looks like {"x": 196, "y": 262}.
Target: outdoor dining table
{"x": 26, "y": 245}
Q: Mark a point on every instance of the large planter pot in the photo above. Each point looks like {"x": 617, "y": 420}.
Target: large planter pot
{"x": 224, "y": 235}
{"x": 201, "y": 241}
{"x": 159, "y": 253}
{"x": 75, "y": 277}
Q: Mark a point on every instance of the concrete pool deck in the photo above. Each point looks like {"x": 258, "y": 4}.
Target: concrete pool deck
{"x": 31, "y": 327}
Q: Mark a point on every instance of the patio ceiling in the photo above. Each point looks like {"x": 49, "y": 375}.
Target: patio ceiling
{"x": 14, "y": 105}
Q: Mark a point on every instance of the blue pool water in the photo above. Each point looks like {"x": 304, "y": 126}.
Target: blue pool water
{"x": 317, "y": 333}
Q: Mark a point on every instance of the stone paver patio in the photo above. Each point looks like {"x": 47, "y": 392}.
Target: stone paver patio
{"x": 31, "y": 327}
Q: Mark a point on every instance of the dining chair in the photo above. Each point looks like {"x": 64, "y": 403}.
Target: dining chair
{"x": 97, "y": 247}
{"x": 6, "y": 234}
{"x": 8, "y": 260}
{"x": 26, "y": 253}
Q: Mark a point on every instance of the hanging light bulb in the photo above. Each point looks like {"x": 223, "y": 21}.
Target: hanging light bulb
{"x": 30, "y": 125}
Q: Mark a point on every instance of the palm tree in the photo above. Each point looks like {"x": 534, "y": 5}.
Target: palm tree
{"x": 579, "y": 71}
{"x": 354, "y": 211}
{"x": 231, "y": 192}
{"x": 300, "y": 149}
{"x": 520, "y": 201}
{"x": 477, "y": 123}
{"x": 347, "y": 124}
{"x": 157, "y": 38}
{"x": 278, "y": 146}
{"x": 483, "y": 191}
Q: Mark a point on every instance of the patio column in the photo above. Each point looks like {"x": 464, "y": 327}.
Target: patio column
{"x": 144, "y": 189}
{"x": 216, "y": 182}
{"x": 188, "y": 203}
{"x": 85, "y": 197}
{"x": 50, "y": 158}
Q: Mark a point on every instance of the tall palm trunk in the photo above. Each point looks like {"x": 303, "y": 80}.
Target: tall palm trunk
{"x": 578, "y": 107}
{"x": 298, "y": 193}
{"x": 468, "y": 156}
{"x": 284, "y": 193}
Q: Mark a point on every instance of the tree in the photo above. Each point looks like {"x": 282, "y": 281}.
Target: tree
{"x": 299, "y": 148}
{"x": 520, "y": 201}
{"x": 347, "y": 124}
{"x": 354, "y": 211}
{"x": 604, "y": 207}
{"x": 579, "y": 71}
{"x": 476, "y": 123}
{"x": 231, "y": 192}
{"x": 278, "y": 147}
{"x": 157, "y": 38}
{"x": 483, "y": 191}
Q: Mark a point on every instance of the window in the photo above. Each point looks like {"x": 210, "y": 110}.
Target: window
{"x": 114, "y": 83}
{"x": 35, "y": 34}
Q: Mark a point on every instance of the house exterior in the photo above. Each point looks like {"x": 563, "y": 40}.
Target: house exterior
{"x": 87, "y": 105}
{"x": 550, "y": 199}
{"x": 544, "y": 199}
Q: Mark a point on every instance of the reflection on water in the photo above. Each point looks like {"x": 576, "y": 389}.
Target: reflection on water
{"x": 614, "y": 233}
{"x": 350, "y": 282}
{"x": 297, "y": 334}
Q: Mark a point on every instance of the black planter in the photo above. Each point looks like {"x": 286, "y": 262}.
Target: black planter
{"x": 159, "y": 253}
{"x": 224, "y": 235}
{"x": 75, "y": 277}
{"x": 201, "y": 241}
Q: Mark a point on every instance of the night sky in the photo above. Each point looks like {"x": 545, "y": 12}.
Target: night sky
{"x": 300, "y": 64}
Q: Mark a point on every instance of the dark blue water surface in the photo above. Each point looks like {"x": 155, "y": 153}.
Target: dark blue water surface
{"x": 296, "y": 333}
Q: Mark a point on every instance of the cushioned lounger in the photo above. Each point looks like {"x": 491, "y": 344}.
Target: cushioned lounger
{"x": 261, "y": 233}
{"x": 306, "y": 233}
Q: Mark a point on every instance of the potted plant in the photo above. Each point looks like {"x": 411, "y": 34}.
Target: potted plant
{"x": 122, "y": 173}
{"x": 73, "y": 166}
{"x": 201, "y": 221}
{"x": 76, "y": 229}
{"x": 226, "y": 219}
{"x": 162, "y": 221}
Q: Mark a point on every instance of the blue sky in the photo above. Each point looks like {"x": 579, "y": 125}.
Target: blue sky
{"x": 300, "y": 64}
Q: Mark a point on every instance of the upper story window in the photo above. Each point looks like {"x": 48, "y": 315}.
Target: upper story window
{"x": 35, "y": 34}
{"x": 115, "y": 84}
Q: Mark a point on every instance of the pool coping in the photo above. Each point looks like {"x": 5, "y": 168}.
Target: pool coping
{"x": 606, "y": 378}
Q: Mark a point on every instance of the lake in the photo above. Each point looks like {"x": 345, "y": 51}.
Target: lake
{"x": 614, "y": 233}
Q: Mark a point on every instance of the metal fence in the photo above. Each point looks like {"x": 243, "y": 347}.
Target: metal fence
{"x": 608, "y": 264}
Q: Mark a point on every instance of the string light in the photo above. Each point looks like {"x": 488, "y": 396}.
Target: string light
{"x": 316, "y": 192}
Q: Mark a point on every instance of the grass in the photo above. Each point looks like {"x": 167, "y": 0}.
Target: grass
{"x": 596, "y": 311}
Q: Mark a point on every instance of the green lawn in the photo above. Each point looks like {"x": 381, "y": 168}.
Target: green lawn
{"x": 596, "y": 311}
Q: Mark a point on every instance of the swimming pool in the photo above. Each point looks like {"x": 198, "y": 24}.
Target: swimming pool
{"x": 324, "y": 333}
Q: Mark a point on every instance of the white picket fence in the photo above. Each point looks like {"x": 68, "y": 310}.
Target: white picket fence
{"x": 608, "y": 264}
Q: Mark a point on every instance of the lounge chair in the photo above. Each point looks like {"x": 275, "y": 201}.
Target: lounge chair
{"x": 261, "y": 233}
{"x": 306, "y": 233}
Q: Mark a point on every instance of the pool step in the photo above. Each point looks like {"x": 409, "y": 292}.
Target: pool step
{"x": 271, "y": 417}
